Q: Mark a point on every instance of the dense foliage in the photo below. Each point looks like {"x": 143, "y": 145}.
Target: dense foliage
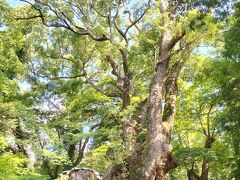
{"x": 76, "y": 79}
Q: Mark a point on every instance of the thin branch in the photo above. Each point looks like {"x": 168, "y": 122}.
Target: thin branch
{"x": 208, "y": 119}
{"x": 130, "y": 19}
{"x": 66, "y": 77}
{"x": 83, "y": 31}
{"x": 125, "y": 65}
{"x": 115, "y": 67}
{"x": 175, "y": 39}
{"x": 116, "y": 25}
{"x": 138, "y": 19}
{"x": 102, "y": 15}
{"x": 117, "y": 10}
{"x": 27, "y": 18}
{"x": 182, "y": 47}
{"x": 120, "y": 32}
{"x": 189, "y": 43}
{"x": 100, "y": 90}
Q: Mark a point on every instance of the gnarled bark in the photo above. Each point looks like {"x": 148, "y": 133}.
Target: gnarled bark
{"x": 160, "y": 126}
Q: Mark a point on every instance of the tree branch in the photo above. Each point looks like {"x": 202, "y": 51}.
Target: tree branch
{"x": 99, "y": 89}
{"x": 116, "y": 25}
{"x": 74, "y": 28}
{"x": 208, "y": 120}
{"x": 27, "y": 18}
{"x": 115, "y": 67}
{"x": 133, "y": 23}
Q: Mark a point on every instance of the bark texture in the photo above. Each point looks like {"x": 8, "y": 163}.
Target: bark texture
{"x": 158, "y": 158}
{"x": 152, "y": 160}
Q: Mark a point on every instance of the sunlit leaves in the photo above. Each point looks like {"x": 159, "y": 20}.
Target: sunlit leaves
{"x": 12, "y": 166}
{"x": 96, "y": 159}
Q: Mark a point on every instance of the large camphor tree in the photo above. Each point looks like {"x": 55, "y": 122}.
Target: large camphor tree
{"x": 131, "y": 52}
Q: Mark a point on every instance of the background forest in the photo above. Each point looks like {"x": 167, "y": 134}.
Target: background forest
{"x": 77, "y": 80}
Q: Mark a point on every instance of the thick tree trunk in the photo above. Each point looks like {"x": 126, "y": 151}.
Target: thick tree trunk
{"x": 158, "y": 150}
{"x": 205, "y": 169}
{"x": 205, "y": 165}
{"x": 192, "y": 175}
{"x": 153, "y": 159}
{"x": 158, "y": 160}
